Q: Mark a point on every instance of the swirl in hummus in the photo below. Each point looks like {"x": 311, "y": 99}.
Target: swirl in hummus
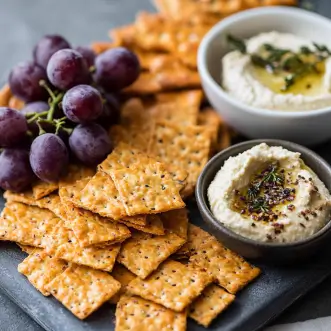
{"x": 268, "y": 194}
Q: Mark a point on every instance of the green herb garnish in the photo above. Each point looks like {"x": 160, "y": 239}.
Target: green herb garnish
{"x": 237, "y": 43}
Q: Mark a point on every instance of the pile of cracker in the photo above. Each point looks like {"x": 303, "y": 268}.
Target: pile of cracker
{"x": 121, "y": 234}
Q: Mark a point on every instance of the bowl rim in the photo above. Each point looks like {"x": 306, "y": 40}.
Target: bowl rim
{"x": 204, "y": 204}
{"x": 253, "y": 14}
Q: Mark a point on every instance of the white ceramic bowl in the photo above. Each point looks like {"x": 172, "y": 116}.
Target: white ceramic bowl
{"x": 305, "y": 127}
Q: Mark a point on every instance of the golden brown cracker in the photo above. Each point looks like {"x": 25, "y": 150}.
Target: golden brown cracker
{"x": 143, "y": 253}
{"x": 212, "y": 302}
{"x": 63, "y": 244}
{"x": 53, "y": 203}
{"x": 25, "y": 224}
{"x": 5, "y": 95}
{"x": 147, "y": 189}
{"x": 123, "y": 36}
{"x": 75, "y": 173}
{"x": 124, "y": 276}
{"x": 176, "y": 221}
{"x": 24, "y": 197}
{"x": 153, "y": 225}
{"x": 134, "y": 313}
{"x": 83, "y": 290}
{"x": 186, "y": 147}
{"x": 92, "y": 229}
{"x": 101, "y": 46}
{"x": 28, "y": 249}
{"x": 227, "y": 268}
{"x": 174, "y": 285}
{"x": 41, "y": 189}
{"x": 41, "y": 269}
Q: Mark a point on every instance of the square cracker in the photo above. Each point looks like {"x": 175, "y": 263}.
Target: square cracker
{"x": 40, "y": 189}
{"x": 227, "y": 268}
{"x": 147, "y": 189}
{"x": 25, "y": 224}
{"x": 176, "y": 221}
{"x": 134, "y": 313}
{"x": 53, "y": 203}
{"x": 143, "y": 253}
{"x": 124, "y": 276}
{"x": 63, "y": 244}
{"x": 75, "y": 172}
{"x": 83, "y": 290}
{"x": 186, "y": 147}
{"x": 174, "y": 285}
{"x": 92, "y": 229}
{"x": 27, "y": 249}
{"x": 24, "y": 197}
{"x": 41, "y": 269}
{"x": 153, "y": 225}
{"x": 101, "y": 196}
{"x": 213, "y": 301}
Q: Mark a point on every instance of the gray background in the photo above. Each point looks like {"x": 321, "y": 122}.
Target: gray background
{"x": 23, "y": 22}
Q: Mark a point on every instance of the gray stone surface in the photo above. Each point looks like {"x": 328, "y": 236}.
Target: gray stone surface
{"x": 22, "y": 22}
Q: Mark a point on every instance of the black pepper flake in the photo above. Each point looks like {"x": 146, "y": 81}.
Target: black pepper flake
{"x": 253, "y": 225}
{"x": 302, "y": 225}
{"x": 269, "y": 237}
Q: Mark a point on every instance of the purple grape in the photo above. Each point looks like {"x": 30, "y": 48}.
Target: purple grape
{"x": 116, "y": 69}
{"x": 82, "y": 103}
{"x": 24, "y": 82}
{"x": 67, "y": 68}
{"x": 88, "y": 54}
{"x": 13, "y": 127}
{"x": 34, "y": 107}
{"x": 46, "y": 47}
{"x": 48, "y": 157}
{"x": 90, "y": 143}
{"x": 111, "y": 111}
{"x": 15, "y": 170}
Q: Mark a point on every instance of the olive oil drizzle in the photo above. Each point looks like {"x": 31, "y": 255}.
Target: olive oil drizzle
{"x": 291, "y": 65}
{"x": 266, "y": 192}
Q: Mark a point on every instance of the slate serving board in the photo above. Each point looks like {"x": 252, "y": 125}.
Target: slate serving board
{"x": 254, "y": 307}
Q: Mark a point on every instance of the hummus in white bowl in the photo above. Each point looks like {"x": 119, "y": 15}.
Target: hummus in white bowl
{"x": 278, "y": 71}
{"x": 268, "y": 194}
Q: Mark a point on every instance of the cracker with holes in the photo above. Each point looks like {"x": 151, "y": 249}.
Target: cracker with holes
{"x": 124, "y": 276}
{"x": 134, "y": 313}
{"x": 41, "y": 189}
{"x": 41, "y": 269}
{"x": 83, "y": 290}
{"x": 212, "y": 122}
{"x": 143, "y": 253}
{"x": 212, "y": 302}
{"x": 173, "y": 285}
{"x": 63, "y": 244}
{"x": 101, "y": 196}
{"x": 25, "y": 224}
{"x": 53, "y": 203}
{"x": 227, "y": 268}
{"x": 176, "y": 221}
{"x": 27, "y": 249}
{"x": 92, "y": 229}
{"x": 187, "y": 147}
{"x": 147, "y": 189}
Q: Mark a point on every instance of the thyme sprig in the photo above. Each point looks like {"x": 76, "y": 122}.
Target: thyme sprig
{"x": 294, "y": 65}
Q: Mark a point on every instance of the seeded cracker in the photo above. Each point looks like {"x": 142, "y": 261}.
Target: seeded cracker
{"x": 134, "y": 313}
{"x": 63, "y": 244}
{"x": 187, "y": 147}
{"x": 75, "y": 172}
{"x": 53, "y": 203}
{"x": 26, "y": 225}
{"x": 213, "y": 301}
{"x": 124, "y": 276}
{"x": 228, "y": 269}
{"x": 173, "y": 285}
{"x": 176, "y": 221}
{"x": 41, "y": 269}
{"x": 91, "y": 229}
{"x": 27, "y": 249}
{"x": 41, "y": 189}
{"x": 24, "y": 197}
{"x": 143, "y": 253}
{"x": 153, "y": 225}
{"x": 83, "y": 290}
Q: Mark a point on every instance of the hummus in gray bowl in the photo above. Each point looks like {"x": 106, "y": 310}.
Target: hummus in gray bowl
{"x": 268, "y": 194}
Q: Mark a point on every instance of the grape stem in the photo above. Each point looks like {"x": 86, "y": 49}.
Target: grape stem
{"x": 35, "y": 116}
{"x": 47, "y": 88}
{"x": 57, "y": 99}
{"x": 41, "y": 130}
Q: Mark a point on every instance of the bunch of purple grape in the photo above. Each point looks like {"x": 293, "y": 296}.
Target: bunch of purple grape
{"x": 70, "y": 102}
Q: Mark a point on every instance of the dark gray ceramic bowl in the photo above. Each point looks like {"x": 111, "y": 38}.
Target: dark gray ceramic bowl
{"x": 265, "y": 252}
